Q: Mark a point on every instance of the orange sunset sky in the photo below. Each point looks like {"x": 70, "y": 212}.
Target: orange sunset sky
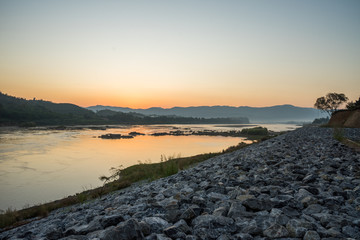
{"x": 144, "y": 54}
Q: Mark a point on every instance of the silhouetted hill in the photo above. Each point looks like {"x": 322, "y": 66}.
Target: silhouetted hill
{"x": 281, "y": 113}
{"x": 63, "y": 108}
{"x": 14, "y": 111}
{"x": 19, "y": 111}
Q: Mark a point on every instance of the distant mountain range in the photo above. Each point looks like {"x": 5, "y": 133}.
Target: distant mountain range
{"x": 20, "y": 111}
{"x": 280, "y": 113}
{"x": 29, "y": 113}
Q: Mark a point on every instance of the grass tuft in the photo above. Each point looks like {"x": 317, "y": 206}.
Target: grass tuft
{"x": 338, "y": 134}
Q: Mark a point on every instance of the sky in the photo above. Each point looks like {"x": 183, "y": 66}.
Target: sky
{"x": 156, "y": 53}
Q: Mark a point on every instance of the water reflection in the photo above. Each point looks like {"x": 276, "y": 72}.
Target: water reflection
{"x": 37, "y": 166}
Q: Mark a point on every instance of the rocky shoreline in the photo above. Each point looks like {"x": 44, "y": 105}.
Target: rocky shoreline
{"x": 300, "y": 185}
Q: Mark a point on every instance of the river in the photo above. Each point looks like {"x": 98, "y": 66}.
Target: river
{"x": 41, "y": 165}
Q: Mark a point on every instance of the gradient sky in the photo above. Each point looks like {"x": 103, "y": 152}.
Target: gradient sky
{"x": 180, "y": 53}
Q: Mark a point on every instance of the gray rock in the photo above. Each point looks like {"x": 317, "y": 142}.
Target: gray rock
{"x": 190, "y": 237}
{"x": 243, "y": 236}
{"x": 111, "y": 220}
{"x": 145, "y": 228}
{"x": 223, "y": 237}
{"x": 188, "y": 214}
{"x": 295, "y": 228}
{"x": 178, "y": 230}
{"x": 250, "y": 227}
{"x": 198, "y": 200}
{"x": 311, "y": 235}
{"x": 207, "y": 220}
{"x": 243, "y": 197}
{"x": 129, "y": 229}
{"x": 157, "y": 237}
{"x": 169, "y": 192}
{"x": 307, "y": 201}
{"x": 210, "y": 226}
{"x": 275, "y": 212}
{"x": 352, "y": 232}
{"x": 221, "y": 211}
{"x": 74, "y": 237}
{"x": 264, "y": 221}
{"x": 236, "y": 210}
{"x": 53, "y": 232}
{"x": 310, "y": 178}
{"x": 323, "y": 218}
{"x": 302, "y": 193}
{"x": 291, "y": 212}
{"x": 257, "y": 204}
{"x": 276, "y": 231}
{"x": 83, "y": 229}
{"x": 333, "y": 232}
{"x": 157, "y": 224}
{"x": 214, "y": 197}
{"x": 313, "y": 208}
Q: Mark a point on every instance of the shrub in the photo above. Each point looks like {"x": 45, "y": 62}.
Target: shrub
{"x": 320, "y": 121}
{"x": 255, "y": 131}
{"x": 353, "y": 105}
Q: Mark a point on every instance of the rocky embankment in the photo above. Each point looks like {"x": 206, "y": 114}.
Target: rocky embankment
{"x": 301, "y": 185}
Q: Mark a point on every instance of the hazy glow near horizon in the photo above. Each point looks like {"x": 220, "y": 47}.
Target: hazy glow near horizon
{"x": 180, "y": 53}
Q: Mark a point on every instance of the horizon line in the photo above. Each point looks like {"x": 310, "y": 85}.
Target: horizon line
{"x": 166, "y": 108}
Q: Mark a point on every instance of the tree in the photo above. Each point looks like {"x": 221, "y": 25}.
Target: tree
{"x": 353, "y": 105}
{"x": 331, "y": 102}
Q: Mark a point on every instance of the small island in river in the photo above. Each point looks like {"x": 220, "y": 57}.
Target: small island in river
{"x": 250, "y": 133}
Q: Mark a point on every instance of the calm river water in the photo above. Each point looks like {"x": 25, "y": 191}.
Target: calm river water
{"x": 37, "y": 166}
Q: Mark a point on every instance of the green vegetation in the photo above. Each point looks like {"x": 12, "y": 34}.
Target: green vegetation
{"x": 353, "y": 105}
{"x": 120, "y": 178}
{"x": 152, "y": 171}
{"x": 250, "y": 133}
{"x": 255, "y": 131}
{"x": 29, "y": 113}
{"x": 320, "y": 121}
{"x": 338, "y": 134}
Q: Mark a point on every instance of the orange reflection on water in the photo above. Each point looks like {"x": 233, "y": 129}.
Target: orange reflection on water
{"x": 39, "y": 166}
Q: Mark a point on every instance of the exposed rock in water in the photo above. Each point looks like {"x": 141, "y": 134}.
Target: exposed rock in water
{"x": 115, "y": 136}
{"x": 136, "y": 134}
{"x": 300, "y": 185}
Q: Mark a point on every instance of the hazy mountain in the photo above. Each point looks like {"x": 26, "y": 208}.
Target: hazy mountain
{"x": 137, "y": 118}
{"x": 280, "y": 113}
{"x": 23, "y": 112}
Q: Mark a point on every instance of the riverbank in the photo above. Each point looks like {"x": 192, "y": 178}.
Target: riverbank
{"x": 169, "y": 165}
{"x": 33, "y": 160}
{"x": 303, "y": 184}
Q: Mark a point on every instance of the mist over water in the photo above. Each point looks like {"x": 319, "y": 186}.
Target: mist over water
{"x": 37, "y": 166}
